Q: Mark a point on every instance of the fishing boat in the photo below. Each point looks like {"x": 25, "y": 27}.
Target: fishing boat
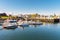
{"x": 10, "y": 24}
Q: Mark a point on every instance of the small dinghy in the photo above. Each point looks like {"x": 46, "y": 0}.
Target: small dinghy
{"x": 10, "y": 24}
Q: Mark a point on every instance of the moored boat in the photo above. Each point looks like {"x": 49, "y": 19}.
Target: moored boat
{"x": 22, "y": 23}
{"x": 35, "y": 23}
{"x": 10, "y": 24}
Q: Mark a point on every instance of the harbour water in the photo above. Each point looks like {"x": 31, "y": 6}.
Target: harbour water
{"x": 32, "y": 32}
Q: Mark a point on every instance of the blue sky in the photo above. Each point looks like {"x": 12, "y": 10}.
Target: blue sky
{"x": 30, "y": 6}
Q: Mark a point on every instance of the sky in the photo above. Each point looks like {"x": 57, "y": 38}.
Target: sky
{"x": 45, "y": 7}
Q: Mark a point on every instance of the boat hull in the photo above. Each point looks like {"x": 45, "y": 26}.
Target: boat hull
{"x": 10, "y": 27}
{"x": 24, "y": 25}
{"x": 35, "y": 23}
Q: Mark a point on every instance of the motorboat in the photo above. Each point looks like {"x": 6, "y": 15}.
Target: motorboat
{"x": 34, "y": 23}
{"x": 22, "y": 23}
{"x": 10, "y": 24}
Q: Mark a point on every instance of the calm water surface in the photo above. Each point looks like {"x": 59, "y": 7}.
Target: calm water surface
{"x": 32, "y": 32}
